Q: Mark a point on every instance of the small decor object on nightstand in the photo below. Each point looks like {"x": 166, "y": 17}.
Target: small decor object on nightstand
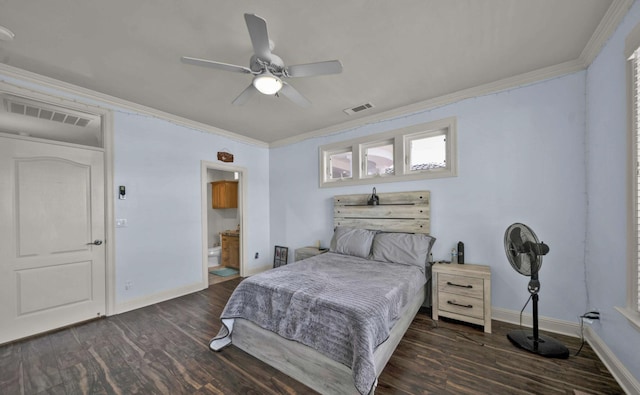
{"x": 280, "y": 256}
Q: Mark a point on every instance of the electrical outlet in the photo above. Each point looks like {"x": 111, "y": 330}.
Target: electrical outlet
{"x": 590, "y": 316}
{"x": 128, "y": 285}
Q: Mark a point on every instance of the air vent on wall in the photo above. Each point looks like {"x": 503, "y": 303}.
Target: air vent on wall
{"x": 32, "y": 110}
{"x": 356, "y": 109}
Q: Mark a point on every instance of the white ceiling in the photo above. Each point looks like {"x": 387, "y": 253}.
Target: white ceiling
{"x": 394, "y": 53}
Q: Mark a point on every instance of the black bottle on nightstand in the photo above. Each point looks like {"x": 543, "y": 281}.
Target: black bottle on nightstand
{"x": 460, "y": 252}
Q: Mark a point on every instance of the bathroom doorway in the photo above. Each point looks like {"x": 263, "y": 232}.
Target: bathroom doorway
{"x": 223, "y": 225}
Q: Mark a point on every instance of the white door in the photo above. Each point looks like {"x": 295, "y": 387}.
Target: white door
{"x": 51, "y": 211}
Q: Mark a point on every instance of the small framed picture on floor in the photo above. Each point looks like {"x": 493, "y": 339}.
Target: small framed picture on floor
{"x": 280, "y": 256}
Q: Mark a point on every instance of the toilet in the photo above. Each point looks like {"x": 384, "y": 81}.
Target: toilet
{"x": 214, "y": 256}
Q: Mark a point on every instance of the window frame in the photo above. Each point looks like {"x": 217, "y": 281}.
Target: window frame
{"x": 398, "y": 137}
{"x": 365, "y": 164}
{"x": 327, "y": 162}
{"x": 408, "y": 138}
{"x": 632, "y": 309}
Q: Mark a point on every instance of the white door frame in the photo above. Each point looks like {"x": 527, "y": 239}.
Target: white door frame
{"x": 242, "y": 212}
{"x": 108, "y": 147}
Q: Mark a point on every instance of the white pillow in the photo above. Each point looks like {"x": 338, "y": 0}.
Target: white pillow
{"x": 352, "y": 241}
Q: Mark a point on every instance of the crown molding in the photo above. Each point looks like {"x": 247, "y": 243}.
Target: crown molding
{"x": 75, "y": 90}
{"x": 608, "y": 24}
{"x": 481, "y": 90}
{"x": 612, "y": 18}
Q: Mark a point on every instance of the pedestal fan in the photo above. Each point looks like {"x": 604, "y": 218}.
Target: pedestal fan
{"x": 525, "y": 252}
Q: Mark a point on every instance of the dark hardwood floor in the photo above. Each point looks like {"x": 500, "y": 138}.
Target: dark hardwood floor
{"x": 163, "y": 349}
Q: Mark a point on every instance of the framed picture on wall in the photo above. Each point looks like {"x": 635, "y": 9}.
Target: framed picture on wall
{"x": 280, "y": 256}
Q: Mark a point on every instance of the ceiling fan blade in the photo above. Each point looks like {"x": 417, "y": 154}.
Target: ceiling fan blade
{"x": 259, "y": 36}
{"x": 318, "y": 68}
{"x": 292, "y": 94}
{"x": 216, "y": 65}
{"x": 245, "y": 95}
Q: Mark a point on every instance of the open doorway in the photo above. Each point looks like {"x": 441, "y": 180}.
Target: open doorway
{"x": 222, "y": 219}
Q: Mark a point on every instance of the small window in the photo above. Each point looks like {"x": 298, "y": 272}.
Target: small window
{"x": 339, "y": 165}
{"x": 378, "y": 159}
{"x": 427, "y": 150}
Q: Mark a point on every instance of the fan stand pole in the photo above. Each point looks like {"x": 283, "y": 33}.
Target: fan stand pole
{"x": 545, "y": 346}
{"x": 536, "y": 336}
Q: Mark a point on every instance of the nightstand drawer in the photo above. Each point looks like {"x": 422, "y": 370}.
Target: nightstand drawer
{"x": 460, "y": 304}
{"x": 472, "y": 287}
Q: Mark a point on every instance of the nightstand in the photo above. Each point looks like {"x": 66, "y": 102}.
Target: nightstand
{"x": 308, "y": 252}
{"x": 462, "y": 292}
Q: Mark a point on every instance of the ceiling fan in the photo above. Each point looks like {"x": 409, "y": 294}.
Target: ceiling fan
{"x": 267, "y": 68}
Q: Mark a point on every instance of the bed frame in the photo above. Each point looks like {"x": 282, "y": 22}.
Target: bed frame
{"x": 399, "y": 212}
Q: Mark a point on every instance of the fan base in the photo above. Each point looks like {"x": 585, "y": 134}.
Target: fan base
{"x": 545, "y": 346}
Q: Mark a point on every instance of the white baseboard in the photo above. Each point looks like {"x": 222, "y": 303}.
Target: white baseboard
{"x": 622, "y": 375}
{"x": 617, "y": 369}
{"x": 157, "y": 297}
{"x": 544, "y": 323}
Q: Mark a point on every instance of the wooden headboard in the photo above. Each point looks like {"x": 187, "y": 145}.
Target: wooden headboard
{"x": 397, "y": 212}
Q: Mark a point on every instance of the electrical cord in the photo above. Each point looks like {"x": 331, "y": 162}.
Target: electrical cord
{"x": 591, "y": 315}
{"x": 524, "y": 307}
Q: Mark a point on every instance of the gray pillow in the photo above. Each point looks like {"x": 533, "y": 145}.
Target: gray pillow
{"x": 352, "y": 241}
{"x": 406, "y": 248}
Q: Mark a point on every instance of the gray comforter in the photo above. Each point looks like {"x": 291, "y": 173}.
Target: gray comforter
{"x": 339, "y": 305}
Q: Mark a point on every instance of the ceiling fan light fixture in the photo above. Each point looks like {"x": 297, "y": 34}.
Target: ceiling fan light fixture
{"x": 267, "y": 83}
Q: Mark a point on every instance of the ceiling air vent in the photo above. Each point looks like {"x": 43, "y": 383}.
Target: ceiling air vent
{"x": 36, "y": 111}
{"x": 357, "y": 109}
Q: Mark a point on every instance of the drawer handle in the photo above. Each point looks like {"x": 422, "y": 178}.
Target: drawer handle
{"x": 458, "y": 285}
{"x": 467, "y": 306}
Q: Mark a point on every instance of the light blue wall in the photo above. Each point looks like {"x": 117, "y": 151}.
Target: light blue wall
{"x": 521, "y": 159}
{"x": 607, "y": 194}
{"x": 159, "y": 162}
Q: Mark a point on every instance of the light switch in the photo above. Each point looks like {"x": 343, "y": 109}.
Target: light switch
{"x": 121, "y": 222}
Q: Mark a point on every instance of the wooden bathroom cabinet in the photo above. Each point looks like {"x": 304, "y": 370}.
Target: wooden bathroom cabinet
{"x": 224, "y": 194}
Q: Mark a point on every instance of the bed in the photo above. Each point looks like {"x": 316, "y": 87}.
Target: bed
{"x": 332, "y": 321}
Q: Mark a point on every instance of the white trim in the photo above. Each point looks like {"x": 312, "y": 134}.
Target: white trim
{"x": 358, "y": 145}
{"x": 630, "y": 311}
{"x": 242, "y": 212}
{"x": 608, "y": 24}
{"x": 619, "y": 372}
{"x": 149, "y": 300}
{"x": 544, "y": 323}
{"x": 110, "y": 233}
{"x": 485, "y": 89}
{"x": 632, "y": 316}
{"x": 121, "y": 103}
{"x": 106, "y": 116}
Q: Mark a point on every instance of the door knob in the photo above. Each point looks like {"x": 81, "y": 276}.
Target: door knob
{"x": 96, "y": 243}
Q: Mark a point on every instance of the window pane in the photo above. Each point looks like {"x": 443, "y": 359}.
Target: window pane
{"x": 379, "y": 160}
{"x": 428, "y": 153}
{"x": 340, "y": 165}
